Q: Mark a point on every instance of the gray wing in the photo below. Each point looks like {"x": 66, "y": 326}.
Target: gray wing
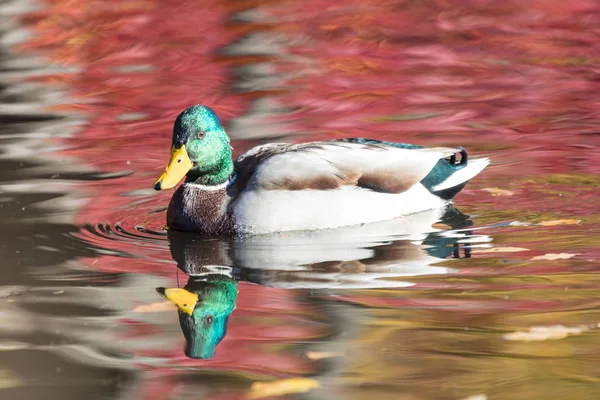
{"x": 332, "y": 164}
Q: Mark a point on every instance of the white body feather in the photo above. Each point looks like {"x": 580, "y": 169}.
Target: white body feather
{"x": 267, "y": 211}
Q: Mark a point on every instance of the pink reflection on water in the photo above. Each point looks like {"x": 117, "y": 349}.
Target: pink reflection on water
{"x": 520, "y": 84}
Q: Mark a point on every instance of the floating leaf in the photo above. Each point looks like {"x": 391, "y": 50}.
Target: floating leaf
{"x": 498, "y": 192}
{"x": 281, "y": 387}
{"x": 540, "y": 333}
{"x": 553, "y": 222}
{"x": 154, "y": 307}
{"x": 8, "y": 379}
{"x": 519, "y": 223}
{"x": 319, "y": 355}
{"x": 476, "y": 397}
{"x": 556, "y": 222}
{"x": 556, "y": 256}
{"x": 500, "y": 250}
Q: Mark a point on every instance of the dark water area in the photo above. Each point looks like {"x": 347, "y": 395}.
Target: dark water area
{"x": 495, "y": 298}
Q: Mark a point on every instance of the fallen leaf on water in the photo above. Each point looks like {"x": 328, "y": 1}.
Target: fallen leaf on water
{"x": 500, "y": 250}
{"x": 155, "y": 307}
{"x": 519, "y": 223}
{"x": 476, "y": 397}
{"x": 281, "y": 387}
{"x": 556, "y": 256}
{"x": 498, "y": 192}
{"x": 539, "y": 333}
{"x": 319, "y": 355}
{"x": 8, "y": 379}
{"x": 555, "y": 222}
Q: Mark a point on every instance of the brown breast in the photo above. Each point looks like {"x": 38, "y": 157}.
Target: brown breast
{"x": 196, "y": 209}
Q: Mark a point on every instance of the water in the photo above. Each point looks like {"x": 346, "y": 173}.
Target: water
{"x": 498, "y": 299}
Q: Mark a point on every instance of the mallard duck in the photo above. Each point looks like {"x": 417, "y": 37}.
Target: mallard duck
{"x": 318, "y": 185}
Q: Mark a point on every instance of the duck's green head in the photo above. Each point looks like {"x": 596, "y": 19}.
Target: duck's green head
{"x": 204, "y": 309}
{"x": 200, "y": 149}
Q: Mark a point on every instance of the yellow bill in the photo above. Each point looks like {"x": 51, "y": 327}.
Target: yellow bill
{"x": 184, "y": 300}
{"x": 178, "y": 166}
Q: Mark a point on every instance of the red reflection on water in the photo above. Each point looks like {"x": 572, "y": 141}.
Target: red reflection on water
{"x": 518, "y": 83}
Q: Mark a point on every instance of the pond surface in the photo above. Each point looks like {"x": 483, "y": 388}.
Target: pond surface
{"x": 495, "y": 298}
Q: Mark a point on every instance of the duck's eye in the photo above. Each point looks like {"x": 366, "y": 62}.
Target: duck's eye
{"x": 200, "y": 134}
{"x": 208, "y": 320}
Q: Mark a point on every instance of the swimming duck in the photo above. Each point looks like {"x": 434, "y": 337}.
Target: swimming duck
{"x": 318, "y": 185}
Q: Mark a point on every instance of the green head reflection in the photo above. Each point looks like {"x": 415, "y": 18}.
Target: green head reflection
{"x": 204, "y": 307}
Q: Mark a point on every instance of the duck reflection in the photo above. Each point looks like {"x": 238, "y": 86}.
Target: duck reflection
{"x": 204, "y": 307}
{"x": 358, "y": 257}
{"x": 208, "y": 298}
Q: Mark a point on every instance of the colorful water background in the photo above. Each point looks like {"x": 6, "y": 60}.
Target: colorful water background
{"x": 89, "y": 93}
